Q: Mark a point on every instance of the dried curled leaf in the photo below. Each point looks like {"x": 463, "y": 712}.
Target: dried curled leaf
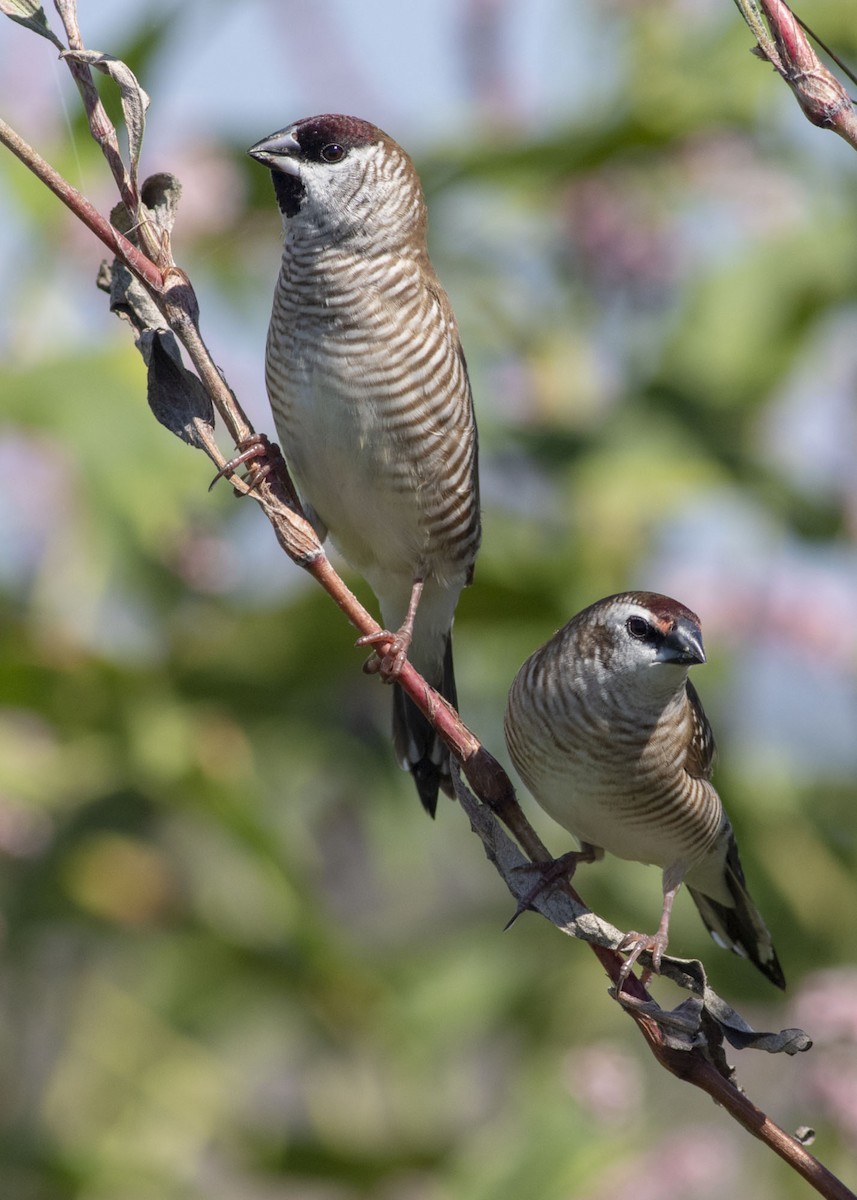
{"x": 689, "y": 1017}
{"x": 159, "y": 198}
{"x": 161, "y": 194}
{"x": 175, "y": 395}
{"x": 31, "y": 15}
{"x": 134, "y": 99}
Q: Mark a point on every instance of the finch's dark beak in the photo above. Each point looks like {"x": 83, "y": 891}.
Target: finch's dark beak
{"x": 683, "y": 644}
{"x": 277, "y": 152}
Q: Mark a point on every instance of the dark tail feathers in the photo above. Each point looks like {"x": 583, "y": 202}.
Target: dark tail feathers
{"x": 418, "y": 748}
{"x": 739, "y": 927}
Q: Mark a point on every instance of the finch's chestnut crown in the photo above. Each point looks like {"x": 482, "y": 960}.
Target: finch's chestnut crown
{"x": 328, "y": 138}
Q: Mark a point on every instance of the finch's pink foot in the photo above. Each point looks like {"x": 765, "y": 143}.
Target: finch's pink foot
{"x": 634, "y": 944}
{"x": 265, "y": 456}
{"x": 389, "y": 663}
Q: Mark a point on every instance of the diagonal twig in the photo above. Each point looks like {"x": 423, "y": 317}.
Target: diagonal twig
{"x": 823, "y": 99}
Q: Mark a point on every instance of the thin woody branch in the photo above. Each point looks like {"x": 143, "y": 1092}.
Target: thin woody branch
{"x": 98, "y": 224}
{"x": 822, "y": 97}
{"x": 702, "y": 1074}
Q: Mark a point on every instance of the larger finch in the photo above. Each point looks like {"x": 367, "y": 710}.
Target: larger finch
{"x": 609, "y": 735}
{"x": 371, "y": 397}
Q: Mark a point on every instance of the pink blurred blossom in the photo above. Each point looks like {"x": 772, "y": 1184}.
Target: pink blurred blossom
{"x": 827, "y": 1006}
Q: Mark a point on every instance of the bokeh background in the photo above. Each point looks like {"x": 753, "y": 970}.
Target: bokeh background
{"x": 237, "y": 961}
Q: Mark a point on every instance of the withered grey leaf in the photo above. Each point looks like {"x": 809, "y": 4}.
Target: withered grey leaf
{"x": 743, "y": 1037}
{"x": 31, "y": 15}
{"x": 159, "y": 198}
{"x": 161, "y": 194}
{"x": 130, "y": 300}
{"x": 690, "y": 973}
{"x": 176, "y": 396}
{"x": 680, "y": 1027}
{"x": 134, "y": 99}
{"x": 120, "y": 220}
{"x": 104, "y": 278}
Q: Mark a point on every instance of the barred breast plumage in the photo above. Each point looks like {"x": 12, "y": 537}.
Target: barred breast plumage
{"x": 371, "y": 397}
{"x": 610, "y": 737}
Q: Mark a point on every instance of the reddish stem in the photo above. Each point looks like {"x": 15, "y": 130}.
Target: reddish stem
{"x": 142, "y": 267}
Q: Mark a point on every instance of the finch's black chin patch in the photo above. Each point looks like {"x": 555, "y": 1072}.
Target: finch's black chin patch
{"x": 290, "y": 192}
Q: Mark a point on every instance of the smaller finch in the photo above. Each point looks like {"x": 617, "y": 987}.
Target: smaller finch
{"x": 609, "y": 735}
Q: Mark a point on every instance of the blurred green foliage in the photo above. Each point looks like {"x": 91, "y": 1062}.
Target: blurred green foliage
{"x": 236, "y": 958}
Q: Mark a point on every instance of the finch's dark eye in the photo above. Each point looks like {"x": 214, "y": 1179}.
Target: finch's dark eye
{"x": 640, "y": 629}
{"x": 333, "y": 153}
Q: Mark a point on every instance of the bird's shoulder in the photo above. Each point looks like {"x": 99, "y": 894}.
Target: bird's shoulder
{"x": 702, "y": 748}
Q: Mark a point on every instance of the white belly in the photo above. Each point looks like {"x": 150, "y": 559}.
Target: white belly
{"x": 348, "y": 467}
{"x": 623, "y": 822}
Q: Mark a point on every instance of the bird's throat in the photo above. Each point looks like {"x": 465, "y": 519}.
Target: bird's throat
{"x": 290, "y": 192}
